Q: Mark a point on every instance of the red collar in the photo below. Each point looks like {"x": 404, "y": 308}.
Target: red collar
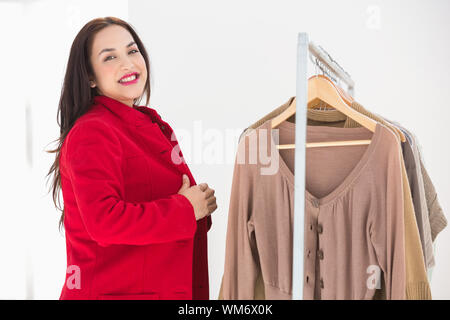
{"x": 135, "y": 115}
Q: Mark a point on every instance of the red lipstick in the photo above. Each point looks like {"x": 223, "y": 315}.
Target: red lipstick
{"x": 129, "y": 82}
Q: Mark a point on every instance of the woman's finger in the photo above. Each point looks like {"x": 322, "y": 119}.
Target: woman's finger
{"x": 212, "y": 208}
{"x": 209, "y": 192}
{"x": 211, "y": 200}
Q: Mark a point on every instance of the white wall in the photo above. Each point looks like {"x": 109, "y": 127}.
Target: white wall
{"x": 224, "y": 64}
{"x": 217, "y": 67}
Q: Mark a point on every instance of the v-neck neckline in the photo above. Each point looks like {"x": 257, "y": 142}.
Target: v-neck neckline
{"x": 347, "y": 181}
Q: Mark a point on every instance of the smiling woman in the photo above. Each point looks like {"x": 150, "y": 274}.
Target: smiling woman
{"x": 135, "y": 221}
{"x": 119, "y": 68}
{"x": 90, "y": 73}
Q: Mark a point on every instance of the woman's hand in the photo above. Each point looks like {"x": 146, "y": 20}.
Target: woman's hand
{"x": 201, "y": 197}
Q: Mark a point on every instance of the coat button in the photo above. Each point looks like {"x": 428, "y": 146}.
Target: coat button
{"x": 320, "y": 254}
{"x": 309, "y": 253}
{"x": 319, "y": 229}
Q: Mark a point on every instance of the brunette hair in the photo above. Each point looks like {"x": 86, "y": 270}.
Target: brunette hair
{"x": 76, "y": 93}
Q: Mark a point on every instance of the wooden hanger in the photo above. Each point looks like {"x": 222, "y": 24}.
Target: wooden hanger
{"x": 349, "y": 100}
{"x": 321, "y": 89}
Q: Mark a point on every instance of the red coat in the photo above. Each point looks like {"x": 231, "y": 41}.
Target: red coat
{"x": 128, "y": 233}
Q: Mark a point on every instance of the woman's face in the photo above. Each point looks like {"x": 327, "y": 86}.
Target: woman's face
{"x": 115, "y": 55}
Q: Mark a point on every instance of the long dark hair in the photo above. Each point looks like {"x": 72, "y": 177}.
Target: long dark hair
{"x": 77, "y": 95}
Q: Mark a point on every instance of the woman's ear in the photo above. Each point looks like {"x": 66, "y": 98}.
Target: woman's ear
{"x": 92, "y": 84}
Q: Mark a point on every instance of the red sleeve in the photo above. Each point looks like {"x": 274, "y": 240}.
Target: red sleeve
{"x": 94, "y": 163}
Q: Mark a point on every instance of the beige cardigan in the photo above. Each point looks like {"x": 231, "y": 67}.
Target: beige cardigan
{"x": 437, "y": 219}
{"x": 353, "y": 228}
{"x": 417, "y": 286}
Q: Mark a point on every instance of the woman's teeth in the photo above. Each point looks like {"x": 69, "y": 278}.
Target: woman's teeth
{"x": 130, "y": 78}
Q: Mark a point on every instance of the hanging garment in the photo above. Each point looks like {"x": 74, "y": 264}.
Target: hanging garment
{"x": 128, "y": 232}
{"x": 417, "y": 281}
{"x": 354, "y": 222}
{"x": 334, "y": 118}
{"x": 436, "y": 216}
{"x": 418, "y": 172}
{"x": 422, "y": 218}
{"x": 412, "y": 162}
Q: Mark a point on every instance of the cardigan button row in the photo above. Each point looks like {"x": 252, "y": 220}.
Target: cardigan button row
{"x": 319, "y": 229}
{"x": 320, "y": 254}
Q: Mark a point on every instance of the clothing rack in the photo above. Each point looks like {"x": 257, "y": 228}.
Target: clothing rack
{"x": 335, "y": 72}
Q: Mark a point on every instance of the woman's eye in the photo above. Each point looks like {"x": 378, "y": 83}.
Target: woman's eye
{"x": 107, "y": 58}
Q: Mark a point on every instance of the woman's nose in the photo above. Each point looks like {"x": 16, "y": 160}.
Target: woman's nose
{"x": 127, "y": 64}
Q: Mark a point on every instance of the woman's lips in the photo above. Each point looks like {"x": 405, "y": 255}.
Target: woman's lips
{"x": 130, "y": 82}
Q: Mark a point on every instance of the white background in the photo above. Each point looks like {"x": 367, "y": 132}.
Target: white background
{"x": 217, "y": 66}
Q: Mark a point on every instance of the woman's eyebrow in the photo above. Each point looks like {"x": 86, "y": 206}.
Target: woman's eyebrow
{"x": 112, "y": 49}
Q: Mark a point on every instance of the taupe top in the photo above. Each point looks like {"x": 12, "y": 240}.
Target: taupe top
{"x": 354, "y": 227}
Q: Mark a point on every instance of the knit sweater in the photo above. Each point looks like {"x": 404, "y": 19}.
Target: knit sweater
{"x": 353, "y": 218}
{"x": 437, "y": 219}
{"x": 334, "y": 118}
{"x": 436, "y": 216}
{"x": 417, "y": 286}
